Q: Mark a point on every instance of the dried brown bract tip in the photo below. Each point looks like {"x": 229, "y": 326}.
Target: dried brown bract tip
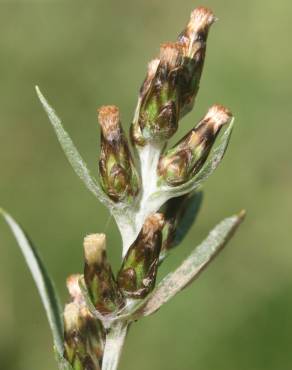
{"x": 170, "y": 54}
{"x": 109, "y": 119}
{"x": 72, "y": 284}
{"x": 153, "y": 223}
{"x": 194, "y": 36}
{"x": 201, "y": 19}
{"x": 71, "y": 317}
{"x": 151, "y": 70}
{"x": 218, "y": 116}
{"x": 94, "y": 247}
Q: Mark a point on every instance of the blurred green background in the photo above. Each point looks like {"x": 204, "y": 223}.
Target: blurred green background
{"x": 83, "y": 54}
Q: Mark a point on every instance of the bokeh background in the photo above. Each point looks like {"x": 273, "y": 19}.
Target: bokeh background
{"x": 83, "y": 54}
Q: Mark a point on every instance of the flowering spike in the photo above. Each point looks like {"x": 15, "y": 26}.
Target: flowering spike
{"x": 98, "y": 275}
{"x": 118, "y": 175}
{"x": 187, "y": 157}
{"x": 102, "y": 307}
{"x": 138, "y": 272}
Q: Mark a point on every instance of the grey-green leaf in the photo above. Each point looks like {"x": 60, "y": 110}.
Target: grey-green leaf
{"x": 72, "y": 153}
{"x": 191, "y": 267}
{"x": 210, "y": 166}
{"x": 189, "y": 217}
{"x": 42, "y": 279}
{"x": 180, "y": 214}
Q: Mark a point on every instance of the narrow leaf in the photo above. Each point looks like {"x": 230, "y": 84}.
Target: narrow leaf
{"x": 42, "y": 279}
{"x": 189, "y": 217}
{"x": 180, "y": 214}
{"x": 191, "y": 267}
{"x": 72, "y": 153}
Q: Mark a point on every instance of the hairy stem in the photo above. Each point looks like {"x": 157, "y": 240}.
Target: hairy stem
{"x": 114, "y": 344}
{"x": 117, "y": 334}
{"x": 149, "y": 157}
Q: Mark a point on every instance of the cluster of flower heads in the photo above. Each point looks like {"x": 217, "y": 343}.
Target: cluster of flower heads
{"x": 84, "y": 333}
{"x": 166, "y": 95}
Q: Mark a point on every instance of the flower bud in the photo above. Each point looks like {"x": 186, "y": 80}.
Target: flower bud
{"x": 135, "y": 130}
{"x": 98, "y": 275}
{"x": 82, "y": 345}
{"x": 187, "y": 157}
{"x": 118, "y": 175}
{"x": 193, "y": 41}
{"x": 138, "y": 272}
{"x": 158, "y": 113}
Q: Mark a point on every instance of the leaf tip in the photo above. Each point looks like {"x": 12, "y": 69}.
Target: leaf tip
{"x": 38, "y": 91}
{"x": 241, "y": 215}
{"x": 3, "y": 213}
